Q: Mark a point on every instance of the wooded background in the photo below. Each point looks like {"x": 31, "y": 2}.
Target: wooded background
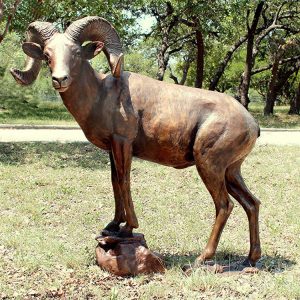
{"x": 249, "y": 49}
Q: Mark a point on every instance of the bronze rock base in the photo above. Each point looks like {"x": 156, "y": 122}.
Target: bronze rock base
{"x": 127, "y": 256}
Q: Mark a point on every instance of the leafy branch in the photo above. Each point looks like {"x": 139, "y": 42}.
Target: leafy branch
{"x": 9, "y": 18}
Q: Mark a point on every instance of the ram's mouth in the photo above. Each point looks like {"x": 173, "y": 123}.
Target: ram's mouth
{"x": 61, "y": 85}
{"x": 62, "y": 89}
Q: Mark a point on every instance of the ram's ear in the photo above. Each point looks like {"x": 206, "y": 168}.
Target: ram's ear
{"x": 90, "y": 50}
{"x": 33, "y": 50}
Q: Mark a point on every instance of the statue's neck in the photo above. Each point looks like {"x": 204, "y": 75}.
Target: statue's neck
{"x": 83, "y": 93}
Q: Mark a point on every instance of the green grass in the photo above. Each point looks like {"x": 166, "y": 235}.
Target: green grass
{"x": 280, "y": 119}
{"x": 17, "y": 111}
{"x": 56, "y": 197}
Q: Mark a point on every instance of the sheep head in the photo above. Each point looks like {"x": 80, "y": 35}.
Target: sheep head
{"x": 64, "y": 52}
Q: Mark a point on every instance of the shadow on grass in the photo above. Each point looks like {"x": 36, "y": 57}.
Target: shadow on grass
{"x": 54, "y": 155}
{"x": 271, "y": 264}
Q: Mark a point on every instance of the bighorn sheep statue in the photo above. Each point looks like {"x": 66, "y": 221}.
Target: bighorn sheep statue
{"x": 130, "y": 115}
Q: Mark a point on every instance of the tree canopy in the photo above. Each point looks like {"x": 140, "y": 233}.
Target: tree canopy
{"x": 236, "y": 46}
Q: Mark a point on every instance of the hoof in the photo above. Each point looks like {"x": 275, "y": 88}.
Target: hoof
{"x": 208, "y": 266}
{"x": 248, "y": 263}
{"x": 125, "y": 232}
{"x": 111, "y": 229}
{"x": 199, "y": 262}
{"x": 187, "y": 269}
{"x": 253, "y": 257}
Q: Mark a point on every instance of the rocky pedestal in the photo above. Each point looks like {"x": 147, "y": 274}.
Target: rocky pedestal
{"x": 127, "y": 256}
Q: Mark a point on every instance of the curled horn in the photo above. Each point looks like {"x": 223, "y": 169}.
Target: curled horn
{"x": 98, "y": 29}
{"x": 37, "y": 32}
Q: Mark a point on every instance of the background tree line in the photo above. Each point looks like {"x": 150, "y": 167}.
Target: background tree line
{"x": 250, "y": 49}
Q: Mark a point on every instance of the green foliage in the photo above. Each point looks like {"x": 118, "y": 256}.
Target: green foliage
{"x": 64, "y": 12}
{"x": 36, "y": 103}
{"x": 230, "y": 80}
{"x": 221, "y": 23}
{"x": 138, "y": 63}
{"x": 11, "y": 55}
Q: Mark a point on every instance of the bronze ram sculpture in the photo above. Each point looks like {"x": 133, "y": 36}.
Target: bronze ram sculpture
{"x": 128, "y": 115}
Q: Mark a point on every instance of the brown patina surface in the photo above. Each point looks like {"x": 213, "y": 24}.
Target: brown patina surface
{"x": 130, "y": 115}
{"x": 127, "y": 256}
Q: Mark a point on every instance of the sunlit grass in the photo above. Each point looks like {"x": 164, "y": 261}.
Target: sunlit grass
{"x": 55, "y": 198}
{"x": 20, "y": 111}
{"x": 280, "y": 119}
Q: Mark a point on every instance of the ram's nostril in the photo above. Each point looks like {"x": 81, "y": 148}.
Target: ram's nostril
{"x": 55, "y": 79}
{"x": 60, "y": 79}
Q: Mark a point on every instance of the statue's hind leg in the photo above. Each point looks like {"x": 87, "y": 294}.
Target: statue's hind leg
{"x": 211, "y": 160}
{"x": 237, "y": 188}
{"x": 216, "y": 186}
{"x": 214, "y": 179}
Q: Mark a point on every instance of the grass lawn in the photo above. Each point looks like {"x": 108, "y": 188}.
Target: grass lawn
{"x": 17, "y": 111}
{"x": 280, "y": 119}
{"x": 56, "y": 197}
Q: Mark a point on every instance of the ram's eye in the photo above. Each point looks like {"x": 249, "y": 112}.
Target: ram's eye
{"x": 48, "y": 59}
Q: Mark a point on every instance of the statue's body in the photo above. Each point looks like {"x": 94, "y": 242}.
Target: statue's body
{"x": 128, "y": 115}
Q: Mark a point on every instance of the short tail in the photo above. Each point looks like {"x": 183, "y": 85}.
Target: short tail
{"x": 258, "y": 132}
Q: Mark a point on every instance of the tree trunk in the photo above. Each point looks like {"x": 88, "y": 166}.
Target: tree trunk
{"x": 282, "y": 76}
{"x": 185, "y": 72}
{"x": 162, "y": 58}
{"x": 195, "y": 24}
{"x": 200, "y": 59}
{"x": 295, "y": 103}
{"x": 163, "y": 54}
{"x": 162, "y": 66}
{"x": 172, "y": 76}
{"x": 246, "y": 77}
{"x": 272, "y": 91}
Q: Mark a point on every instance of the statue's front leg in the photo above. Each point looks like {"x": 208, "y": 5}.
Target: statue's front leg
{"x": 122, "y": 157}
{"x": 113, "y": 227}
